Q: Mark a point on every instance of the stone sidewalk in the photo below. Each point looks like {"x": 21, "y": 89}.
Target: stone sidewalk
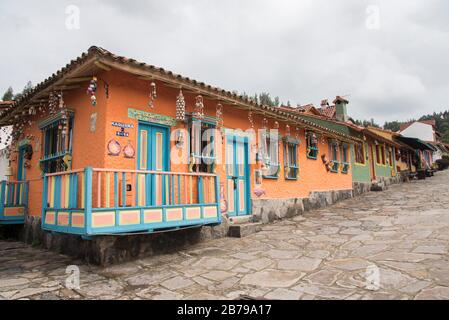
{"x": 387, "y": 245}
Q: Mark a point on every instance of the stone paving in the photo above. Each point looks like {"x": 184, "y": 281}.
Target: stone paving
{"x": 333, "y": 253}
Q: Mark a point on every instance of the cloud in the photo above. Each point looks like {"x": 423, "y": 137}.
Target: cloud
{"x": 302, "y": 51}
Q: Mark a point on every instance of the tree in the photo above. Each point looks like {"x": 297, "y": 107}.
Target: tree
{"x": 8, "y": 95}
{"x": 27, "y": 89}
{"x": 265, "y": 99}
{"x": 392, "y": 126}
{"x": 366, "y": 123}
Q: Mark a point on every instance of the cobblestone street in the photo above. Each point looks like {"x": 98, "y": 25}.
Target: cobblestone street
{"x": 324, "y": 254}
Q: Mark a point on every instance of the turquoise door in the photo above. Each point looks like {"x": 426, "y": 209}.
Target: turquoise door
{"x": 237, "y": 176}
{"x": 21, "y": 173}
{"x": 20, "y": 164}
{"x": 153, "y": 155}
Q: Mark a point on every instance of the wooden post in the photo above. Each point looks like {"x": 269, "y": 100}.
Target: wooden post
{"x": 44, "y": 199}
{"x": 88, "y": 199}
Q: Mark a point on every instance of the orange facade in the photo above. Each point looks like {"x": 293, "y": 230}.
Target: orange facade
{"x": 125, "y": 91}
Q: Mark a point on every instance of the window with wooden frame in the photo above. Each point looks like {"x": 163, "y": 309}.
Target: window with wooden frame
{"x": 359, "y": 152}
{"x": 312, "y": 145}
{"x": 390, "y": 156}
{"x": 344, "y": 158}
{"x": 57, "y": 134}
{"x": 291, "y": 166}
{"x": 202, "y": 154}
{"x": 380, "y": 154}
{"x": 333, "y": 154}
{"x": 270, "y": 154}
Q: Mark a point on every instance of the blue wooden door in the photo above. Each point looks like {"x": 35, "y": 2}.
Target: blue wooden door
{"x": 153, "y": 155}
{"x": 237, "y": 176}
{"x": 21, "y": 173}
{"x": 20, "y": 165}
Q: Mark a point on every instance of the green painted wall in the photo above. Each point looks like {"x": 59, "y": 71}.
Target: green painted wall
{"x": 381, "y": 170}
{"x": 360, "y": 173}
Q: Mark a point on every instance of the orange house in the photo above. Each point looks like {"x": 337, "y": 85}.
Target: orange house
{"x": 108, "y": 145}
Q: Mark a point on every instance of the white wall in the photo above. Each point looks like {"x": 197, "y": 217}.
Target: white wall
{"x": 3, "y": 161}
{"x": 419, "y": 130}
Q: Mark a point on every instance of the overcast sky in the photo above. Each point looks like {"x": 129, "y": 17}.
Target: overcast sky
{"x": 390, "y": 58}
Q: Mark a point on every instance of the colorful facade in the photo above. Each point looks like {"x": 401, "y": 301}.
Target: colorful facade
{"x": 144, "y": 149}
{"x": 108, "y": 145}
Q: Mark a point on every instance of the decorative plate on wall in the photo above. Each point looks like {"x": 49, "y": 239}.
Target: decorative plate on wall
{"x": 114, "y": 147}
{"x": 129, "y": 151}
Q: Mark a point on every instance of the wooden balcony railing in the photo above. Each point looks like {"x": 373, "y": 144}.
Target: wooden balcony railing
{"x": 13, "y": 201}
{"x": 108, "y": 201}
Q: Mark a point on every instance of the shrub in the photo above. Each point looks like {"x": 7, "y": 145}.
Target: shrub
{"x": 443, "y": 164}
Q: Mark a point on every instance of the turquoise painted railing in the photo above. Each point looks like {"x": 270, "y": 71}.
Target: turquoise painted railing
{"x": 108, "y": 201}
{"x": 13, "y": 201}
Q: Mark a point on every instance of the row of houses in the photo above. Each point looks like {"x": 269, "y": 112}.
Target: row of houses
{"x": 111, "y": 146}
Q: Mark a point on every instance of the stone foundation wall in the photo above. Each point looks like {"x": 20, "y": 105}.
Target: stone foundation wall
{"x": 360, "y": 188}
{"x": 106, "y": 250}
{"x": 269, "y": 210}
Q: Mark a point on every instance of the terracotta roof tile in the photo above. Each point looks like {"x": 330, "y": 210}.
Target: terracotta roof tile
{"x": 97, "y": 52}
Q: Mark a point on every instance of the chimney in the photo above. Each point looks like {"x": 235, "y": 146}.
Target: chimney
{"x": 324, "y": 103}
{"x": 341, "y": 111}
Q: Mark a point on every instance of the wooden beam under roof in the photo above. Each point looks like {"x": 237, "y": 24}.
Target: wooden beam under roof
{"x": 77, "y": 80}
{"x": 66, "y": 87}
{"x": 46, "y": 91}
{"x": 102, "y": 66}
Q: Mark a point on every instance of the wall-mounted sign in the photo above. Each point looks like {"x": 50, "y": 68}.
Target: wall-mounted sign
{"x": 151, "y": 117}
{"x": 122, "y": 126}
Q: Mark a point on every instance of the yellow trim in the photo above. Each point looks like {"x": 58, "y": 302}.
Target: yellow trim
{"x": 135, "y": 214}
{"x": 208, "y": 210}
{"x": 143, "y": 149}
{"x": 176, "y": 211}
{"x": 108, "y": 189}
{"x": 67, "y": 191}
{"x": 193, "y": 213}
{"x": 364, "y": 147}
{"x": 159, "y": 152}
{"x": 380, "y": 164}
{"x": 77, "y": 214}
{"x": 103, "y": 214}
{"x": 63, "y": 214}
{"x": 149, "y": 211}
{"x": 82, "y": 190}
{"x": 48, "y": 215}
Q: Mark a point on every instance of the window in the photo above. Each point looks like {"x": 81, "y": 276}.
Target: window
{"x": 333, "y": 153}
{"x": 380, "y": 154}
{"x": 359, "y": 150}
{"x": 57, "y": 144}
{"x": 344, "y": 158}
{"x": 390, "y": 157}
{"x": 312, "y": 145}
{"x": 291, "y": 168}
{"x": 270, "y": 155}
{"x": 202, "y": 135}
